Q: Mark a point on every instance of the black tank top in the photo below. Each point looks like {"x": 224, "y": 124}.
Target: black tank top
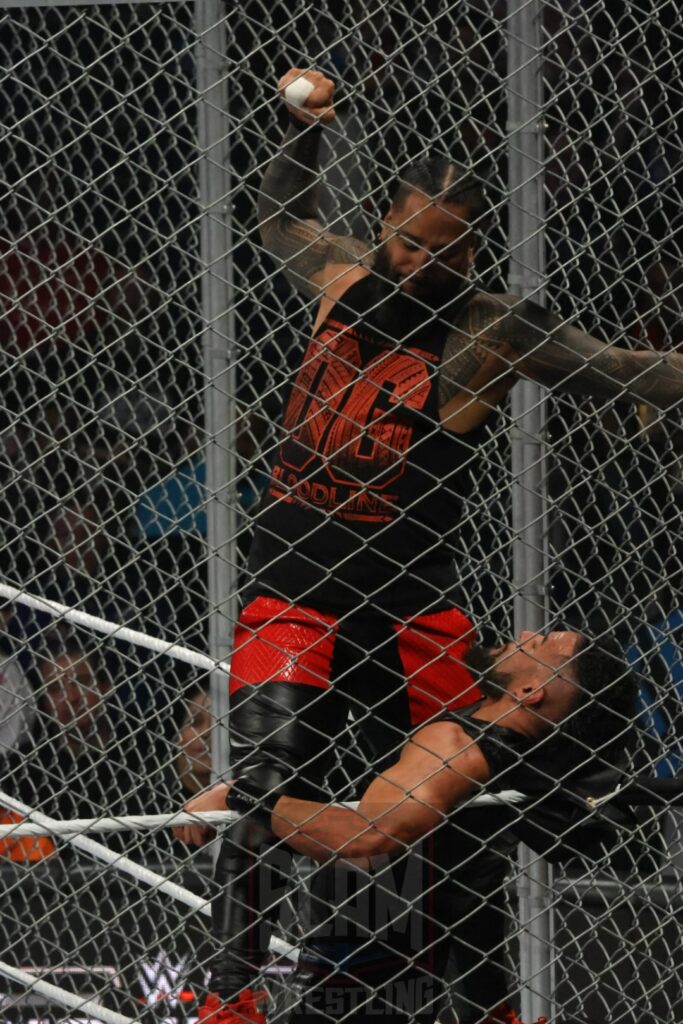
{"x": 556, "y": 821}
{"x": 366, "y": 483}
{"x": 506, "y": 752}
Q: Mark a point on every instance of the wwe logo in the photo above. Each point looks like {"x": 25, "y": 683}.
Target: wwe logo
{"x": 162, "y": 979}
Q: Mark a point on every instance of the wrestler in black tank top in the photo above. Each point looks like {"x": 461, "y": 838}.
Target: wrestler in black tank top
{"x": 366, "y": 483}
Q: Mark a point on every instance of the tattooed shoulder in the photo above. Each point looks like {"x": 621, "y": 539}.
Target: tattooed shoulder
{"x": 477, "y": 347}
{"x": 307, "y": 250}
{"x": 347, "y": 249}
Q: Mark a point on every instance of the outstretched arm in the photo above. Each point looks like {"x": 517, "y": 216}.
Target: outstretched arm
{"x": 289, "y": 200}
{"x": 504, "y": 337}
{"x": 438, "y": 767}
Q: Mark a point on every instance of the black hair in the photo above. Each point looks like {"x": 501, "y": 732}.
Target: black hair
{"x": 442, "y": 179}
{"x": 608, "y": 688}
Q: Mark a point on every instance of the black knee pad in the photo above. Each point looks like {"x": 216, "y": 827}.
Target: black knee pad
{"x": 287, "y": 727}
{"x": 253, "y": 880}
{"x": 280, "y": 739}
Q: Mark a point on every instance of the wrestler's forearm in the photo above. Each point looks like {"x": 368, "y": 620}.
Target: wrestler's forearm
{"x": 609, "y": 372}
{"x": 324, "y": 831}
{"x": 292, "y": 180}
{"x": 288, "y": 207}
{"x": 502, "y": 337}
{"x": 397, "y": 808}
{"x": 288, "y": 215}
{"x": 658, "y": 378}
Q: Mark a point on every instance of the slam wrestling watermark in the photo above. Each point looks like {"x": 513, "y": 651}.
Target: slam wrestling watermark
{"x": 401, "y": 995}
{"x": 383, "y": 901}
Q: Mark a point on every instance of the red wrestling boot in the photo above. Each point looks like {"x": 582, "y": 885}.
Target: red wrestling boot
{"x": 504, "y": 1014}
{"x": 246, "y": 1009}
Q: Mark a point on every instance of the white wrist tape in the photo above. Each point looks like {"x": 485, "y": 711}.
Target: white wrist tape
{"x": 297, "y": 92}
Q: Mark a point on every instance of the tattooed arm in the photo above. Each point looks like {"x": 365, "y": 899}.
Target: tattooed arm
{"x": 501, "y": 337}
{"x": 288, "y": 206}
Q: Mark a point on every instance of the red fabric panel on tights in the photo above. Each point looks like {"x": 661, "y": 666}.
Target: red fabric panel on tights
{"x": 431, "y": 648}
{"x": 278, "y": 642}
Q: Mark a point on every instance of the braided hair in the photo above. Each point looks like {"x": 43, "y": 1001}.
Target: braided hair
{"x": 450, "y": 183}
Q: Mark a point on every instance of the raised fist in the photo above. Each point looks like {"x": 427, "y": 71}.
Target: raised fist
{"x": 318, "y": 104}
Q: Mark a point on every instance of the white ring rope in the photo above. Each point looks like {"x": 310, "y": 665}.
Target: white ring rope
{"x": 61, "y": 996}
{"x": 113, "y": 629}
{"x": 50, "y": 826}
{"x": 148, "y": 822}
{"x": 126, "y": 823}
{"x": 116, "y": 860}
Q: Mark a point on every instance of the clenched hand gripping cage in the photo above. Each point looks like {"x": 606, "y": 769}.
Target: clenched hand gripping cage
{"x": 147, "y": 347}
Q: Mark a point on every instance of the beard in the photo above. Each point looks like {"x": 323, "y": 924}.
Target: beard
{"x": 429, "y": 294}
{"x": 393, "y": 311}
{"x": 481, "y": 662}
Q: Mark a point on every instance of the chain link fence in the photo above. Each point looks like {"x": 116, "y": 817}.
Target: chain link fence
{"x": 149, "y": 344}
